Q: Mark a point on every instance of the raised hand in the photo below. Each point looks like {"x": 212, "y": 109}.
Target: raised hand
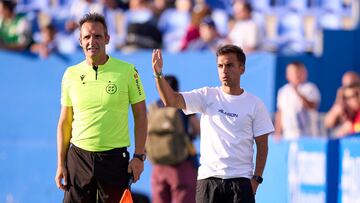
{"x": 157, "y": 61}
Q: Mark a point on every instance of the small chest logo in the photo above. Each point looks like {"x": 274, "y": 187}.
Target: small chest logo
{"x": 111, "y": 88}
{"x": 82, "y": 77}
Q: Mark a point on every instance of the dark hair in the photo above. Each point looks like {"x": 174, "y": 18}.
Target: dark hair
{"x": 93, "y": 17}
{"x": 248, "y": 6}
{"x": 9, "y": 4}
{"x": 173, "y": 82}
{"x": 232, "y": 49}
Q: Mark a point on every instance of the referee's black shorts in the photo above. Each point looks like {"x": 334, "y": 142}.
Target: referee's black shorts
{"x": 234, "y": 190}
{"x": 96, "y": 176}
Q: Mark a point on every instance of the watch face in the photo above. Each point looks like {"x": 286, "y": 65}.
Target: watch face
{"x": 258, "y": 179}
{"x": 142, "y": 157}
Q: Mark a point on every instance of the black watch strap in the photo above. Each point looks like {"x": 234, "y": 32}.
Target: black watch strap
{"x": 258, "y": 179}
{"x": 142, "y": 157}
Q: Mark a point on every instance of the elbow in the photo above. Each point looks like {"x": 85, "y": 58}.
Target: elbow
{"x": 169, "y": 103}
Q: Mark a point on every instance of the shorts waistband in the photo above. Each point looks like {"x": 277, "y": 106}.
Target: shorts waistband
{"x": 115, "y": 150}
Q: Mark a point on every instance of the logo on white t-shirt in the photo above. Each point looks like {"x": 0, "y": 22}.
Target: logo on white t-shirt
{"x": 228, "y": 113}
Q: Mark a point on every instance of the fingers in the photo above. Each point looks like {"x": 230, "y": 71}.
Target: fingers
{"x": 58, "y": 180}
{"x": 136, "y": 167}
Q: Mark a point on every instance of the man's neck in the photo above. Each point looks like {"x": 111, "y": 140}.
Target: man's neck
{"x": 97, "y": 60}
{"x": 232, "y": 91}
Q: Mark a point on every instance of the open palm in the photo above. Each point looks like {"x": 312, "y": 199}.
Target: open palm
{"x": 157, "y": 61}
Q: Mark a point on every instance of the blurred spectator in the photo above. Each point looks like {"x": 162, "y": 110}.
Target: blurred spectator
{"x": 199, "y": 11}
{"x": 331, "y": 18}
{"x": 296, "y": 102}
{"x": 141, "y": 28}
{"x": 291, "y": 33}
{"x": 351, "y": 97}
{"x": 15, "y": 30}
{"x": 114, "y": 17}
{"x": 159, "y": 6}
{"x": 173, "y": 180}
{"x": 338, "y": 116}
{"x": 245, "y": 32}
{"x": 139, "y": 12}
{"x": 47, "y": 43}
{"x": 78, "y": 9}
{"x": 173, "y": 23}
{"x": 209, "y": 37}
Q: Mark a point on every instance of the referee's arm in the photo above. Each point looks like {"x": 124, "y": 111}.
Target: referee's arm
{"x": 63, "y": 143}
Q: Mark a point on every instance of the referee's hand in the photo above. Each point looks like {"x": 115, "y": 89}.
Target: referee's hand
{"x": 136, "y": 167}
{"x": 61, "y": 177}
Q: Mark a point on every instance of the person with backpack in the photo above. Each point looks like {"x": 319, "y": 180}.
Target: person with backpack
{"x": 231, "y": 121}
{"x": 170, "y": 150}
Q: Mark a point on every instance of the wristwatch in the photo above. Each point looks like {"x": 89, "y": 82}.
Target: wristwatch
{"x": 258, "y": 179}
{"x": 142, "y": 157}
{"x": 158, "y": 75}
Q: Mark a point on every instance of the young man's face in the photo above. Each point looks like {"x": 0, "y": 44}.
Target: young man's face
{"x": 206, "y": 32}
{"x": 229, "y": 70}
{"x": 93, "y": 40}
{"x": 295, "y": 75}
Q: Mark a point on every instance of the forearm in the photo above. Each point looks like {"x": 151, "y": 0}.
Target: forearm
{"x": 330, "y": 119}
{"x": 140, "y": 131}
{"x": 63, "y": 142}
{"x": 261, "y": 156}
{"x": 169, "y": 97}
{"x": 307, "y": 103}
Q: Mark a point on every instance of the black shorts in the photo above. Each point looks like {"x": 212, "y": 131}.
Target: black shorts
{"x": 96, "y": 176}
{"x": 214, "y": 190}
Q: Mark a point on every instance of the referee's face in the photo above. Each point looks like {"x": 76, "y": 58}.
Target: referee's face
{"x": 93, "y": 40}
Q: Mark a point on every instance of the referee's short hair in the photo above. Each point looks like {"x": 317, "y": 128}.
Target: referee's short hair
{"x": 93, "y": 17}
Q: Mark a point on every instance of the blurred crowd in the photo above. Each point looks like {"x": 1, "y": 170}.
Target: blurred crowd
{"x": 298, "y": 101}
{"x": 283, "y": 26}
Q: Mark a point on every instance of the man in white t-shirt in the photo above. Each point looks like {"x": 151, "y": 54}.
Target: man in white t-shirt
{"x": 296, "y": 102}
{"x": 231, "y": 120}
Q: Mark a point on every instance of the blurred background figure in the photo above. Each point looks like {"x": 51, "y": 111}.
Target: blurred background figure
{"x": 140, "y": 27}
{"x": 114, "y": 17}
{"x": 291, "y": 39}
{"x": 199, "y": 11}
{"x": 173, "y": 24}
{"x": 78, "y": 9}
{"x": 245, "y": 31}
{"x": 159, "y": 6}
{"x": 15, "y": 30}
{"x": 297, "y": 102}
{"x": 338, "y": 118}
{"x": 209, "y": 39}
{"x": 172, "y": 181}
{"x": 351, "y": 97}
{"x": 46, "y": 42}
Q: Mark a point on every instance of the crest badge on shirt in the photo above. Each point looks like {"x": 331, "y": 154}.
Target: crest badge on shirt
{"x": 111, "y": 88}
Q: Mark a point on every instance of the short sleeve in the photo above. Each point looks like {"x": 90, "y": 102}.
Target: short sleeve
{"x": 65, "y": 96}
{"x": 136, "y": 89}
{"x": 262, "y": 123}
{"x": 194, "y": 101}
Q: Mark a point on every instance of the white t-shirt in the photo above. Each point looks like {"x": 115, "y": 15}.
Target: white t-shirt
{"x": 295, "y": 119}
{"x": 229, "y": 125}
